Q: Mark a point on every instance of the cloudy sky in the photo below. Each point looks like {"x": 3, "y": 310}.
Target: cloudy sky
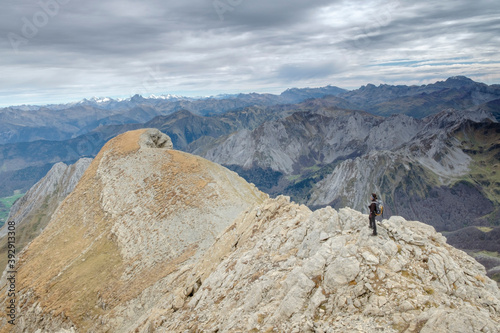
{"x": 55, "y": 51}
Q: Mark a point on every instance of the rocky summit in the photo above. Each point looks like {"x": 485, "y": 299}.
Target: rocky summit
{"x": 140, "y": 211}
{"x": 156, "y": 240}
{"x": 283, "y": 268}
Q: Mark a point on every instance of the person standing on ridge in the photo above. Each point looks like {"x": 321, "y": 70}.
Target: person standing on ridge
{"x": 373, "y": 210}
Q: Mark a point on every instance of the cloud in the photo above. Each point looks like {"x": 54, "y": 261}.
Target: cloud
{"x": 53, "y": 50}
{"x": 305, "y": 71}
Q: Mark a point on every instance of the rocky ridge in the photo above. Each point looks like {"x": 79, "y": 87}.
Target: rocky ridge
{"x": 281, "y": 267}
{"x": 59, "y": 181}
{"x": 32, "y": 212}
{"x": 458, "y": 92}
{"x": 323, "y": 135}
{"x": 330, "y": 156}
{"x": 65, "y": 121}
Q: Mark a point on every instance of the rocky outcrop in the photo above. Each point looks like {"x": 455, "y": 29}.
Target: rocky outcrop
{"x": 281, "y": 267}
{"x": 153, "y": 138}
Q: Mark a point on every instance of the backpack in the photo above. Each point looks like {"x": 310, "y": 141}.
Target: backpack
{"x": 379, "y": 207}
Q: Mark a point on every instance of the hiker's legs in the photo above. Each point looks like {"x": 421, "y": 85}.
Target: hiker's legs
{"x": 374, "y": 226}
{"x": 372, "y": 221}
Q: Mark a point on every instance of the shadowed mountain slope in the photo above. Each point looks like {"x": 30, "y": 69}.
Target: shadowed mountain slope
{"x": 32, "y": 212}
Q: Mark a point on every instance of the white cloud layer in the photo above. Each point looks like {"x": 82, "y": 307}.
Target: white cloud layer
{"x": 62, "y": 50}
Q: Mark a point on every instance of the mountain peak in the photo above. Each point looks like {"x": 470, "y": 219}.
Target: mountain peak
{"x": 459, "y": 81}
{"x": 460, "y": 78}
{"x": 286, "y": 269}
{"x": 137, "y": 98}
{"x": 140, "y": 211}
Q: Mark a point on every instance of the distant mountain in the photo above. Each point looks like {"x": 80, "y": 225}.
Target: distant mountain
{"x": 296, "y": 95}
{"x": 184, "y": 127}
{"x": 100, "y": 102}
{"x": 65, "y": 121}
{"x": 23, "y": 164}
{"x": 329, "y": 156}
{"x": 46, "y": 124}
{"x": 192, "y": 132}
{"x": 420, "y": 101}
{"x": 34, "y": 210}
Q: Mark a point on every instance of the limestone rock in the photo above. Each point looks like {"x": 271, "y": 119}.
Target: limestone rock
{"x": 285, "y": 274}
{"x": 341, "y": 271}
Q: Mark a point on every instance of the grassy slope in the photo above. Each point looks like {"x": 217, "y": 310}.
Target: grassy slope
{"x": 26, "y": 232}
{"x": 5, "y": 204}
{"x": 482, "y": 143}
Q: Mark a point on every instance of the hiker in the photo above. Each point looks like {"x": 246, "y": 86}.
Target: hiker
{"x": 373, "y": 213}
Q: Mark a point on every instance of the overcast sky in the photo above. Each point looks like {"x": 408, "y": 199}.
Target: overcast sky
{"x": 65, "y": 50}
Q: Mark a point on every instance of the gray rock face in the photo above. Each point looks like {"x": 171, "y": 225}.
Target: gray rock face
{"x": 282, "y": 267}
{"x": 421, "y": 178}
{"x": 301, "y": 140}
{"x": 33, "y": 211}
{"x": 322, "y": 136}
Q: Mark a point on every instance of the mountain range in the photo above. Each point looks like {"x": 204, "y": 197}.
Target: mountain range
{"x": 84, "y": 122}
{"x": 65, "y": 121}
{"x": 431, "y": 152}
{"x": 152, "y": 239}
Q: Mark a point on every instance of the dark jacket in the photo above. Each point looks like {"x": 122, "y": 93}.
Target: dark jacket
{"x": 373, "y": 208}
